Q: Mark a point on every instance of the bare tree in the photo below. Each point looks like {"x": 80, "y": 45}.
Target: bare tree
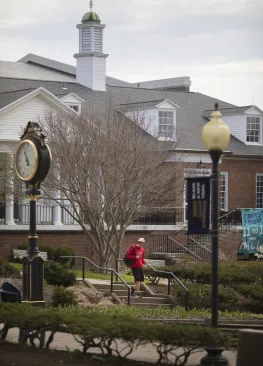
{"x": 109, "y": 170}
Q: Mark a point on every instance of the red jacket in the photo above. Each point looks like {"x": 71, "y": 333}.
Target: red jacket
{"x": 133, "y": 252}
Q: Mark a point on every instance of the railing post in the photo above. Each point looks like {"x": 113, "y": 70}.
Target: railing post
{"x": 111, "y": 281}
{"x": 129, "y": 296}
{"x": 117, "y": 270}
{"x": 186, "y": 300}
{"x": 169, "y": 286}
{"x": 83, "y": 269}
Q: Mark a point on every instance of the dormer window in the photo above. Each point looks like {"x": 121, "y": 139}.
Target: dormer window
{"x": 166, "y": 124}
{"x": 254, "y": 130}
{"x": 73, "y": 101}
{"x": 75, "y": 107}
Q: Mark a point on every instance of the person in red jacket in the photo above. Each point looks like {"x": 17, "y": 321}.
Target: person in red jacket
{"x": 136, "y": 254}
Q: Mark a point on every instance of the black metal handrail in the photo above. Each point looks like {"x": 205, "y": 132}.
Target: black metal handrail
{"x": 167, "y": 244}
{"x": 205, "y": 249}
{"x": 169, "y": 275}
{"x": 187, "y": 249}
{"x": 232, "y": 218}
{"x": 111, "y": 270}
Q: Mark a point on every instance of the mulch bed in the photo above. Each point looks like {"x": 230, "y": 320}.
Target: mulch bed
{"x": 85, "y": 296}
{"x": 18, "y": 355}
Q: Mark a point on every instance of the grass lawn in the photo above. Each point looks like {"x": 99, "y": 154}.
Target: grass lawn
{"x": 88, "y": 274}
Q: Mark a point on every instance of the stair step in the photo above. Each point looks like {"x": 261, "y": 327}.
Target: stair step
{"x": 153, "y": 305}
{"x": 145, "y": 300}
{"x": 107, "y": 286}
{"x": 120, "y": 293}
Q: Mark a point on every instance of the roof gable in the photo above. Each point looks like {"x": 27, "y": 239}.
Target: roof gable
{"x": 254, "y": 110}
{"x": 167, "y": 104}
{"x": 163, "y": 103}
{"x": 49, "y": 97}
{"x": 72, "y": 98}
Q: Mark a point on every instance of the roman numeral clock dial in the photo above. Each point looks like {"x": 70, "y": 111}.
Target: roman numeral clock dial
{"x": 26, "y": 160}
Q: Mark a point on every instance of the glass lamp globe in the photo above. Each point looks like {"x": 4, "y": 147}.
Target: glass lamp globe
{"x": 216, "y": 133}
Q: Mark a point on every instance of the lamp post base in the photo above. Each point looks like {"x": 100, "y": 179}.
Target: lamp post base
{"x": 214, "y": 357}
{"x": 33, "y": 279}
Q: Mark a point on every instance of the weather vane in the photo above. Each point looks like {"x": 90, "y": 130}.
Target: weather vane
{"x": 91, "y": 5}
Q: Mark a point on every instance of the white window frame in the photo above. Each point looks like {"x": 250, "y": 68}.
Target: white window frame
{"x": 71, "y": 105}
{"x": 258, "y": 175}
{"x": 260, "y": 130}
{"x": 172, "y": 137}
{"x": 225, "y": 174}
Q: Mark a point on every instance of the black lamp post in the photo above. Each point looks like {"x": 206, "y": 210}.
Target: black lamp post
{"x": 32, "y": 164}
{"x": 216, "y": 135}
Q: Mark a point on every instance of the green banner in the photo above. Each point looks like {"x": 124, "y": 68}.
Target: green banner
{"x": 252, "y": 230}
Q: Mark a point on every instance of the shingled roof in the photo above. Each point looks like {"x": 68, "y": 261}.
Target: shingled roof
{"x": 190, "y": 116}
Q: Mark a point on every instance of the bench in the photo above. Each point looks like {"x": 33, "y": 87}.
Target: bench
{"x": 20, "y": 254}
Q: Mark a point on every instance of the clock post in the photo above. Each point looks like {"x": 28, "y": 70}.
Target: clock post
{"x": 32, "y": 164}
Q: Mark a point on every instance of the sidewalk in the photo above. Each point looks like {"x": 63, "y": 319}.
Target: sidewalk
{"x": 64, "y": 341}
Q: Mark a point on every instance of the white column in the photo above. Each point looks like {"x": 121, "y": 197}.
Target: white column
{"x": 56, "y": 208}
{"x": 9, "y": 200}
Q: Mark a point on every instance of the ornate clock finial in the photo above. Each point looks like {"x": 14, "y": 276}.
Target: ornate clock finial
{"x": 91, "y": 5}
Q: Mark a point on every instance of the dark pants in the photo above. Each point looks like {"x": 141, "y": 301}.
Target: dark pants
{"x": 138, "y": 274}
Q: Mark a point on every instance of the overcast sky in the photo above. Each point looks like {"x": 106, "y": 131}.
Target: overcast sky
{"x": 218, "y": 43}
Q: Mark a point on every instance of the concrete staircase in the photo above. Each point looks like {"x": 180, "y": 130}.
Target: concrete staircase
{"x": 147, "y": 300}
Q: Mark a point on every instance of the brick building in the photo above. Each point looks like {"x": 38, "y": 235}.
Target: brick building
{"x": 35, "y": 85}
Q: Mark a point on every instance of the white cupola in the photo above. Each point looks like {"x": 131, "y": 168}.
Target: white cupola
{"x": 91, "y": 61}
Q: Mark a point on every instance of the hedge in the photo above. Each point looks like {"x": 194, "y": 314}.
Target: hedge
{"x": 58, "y": 275}
{"x": 98, "y": 330}
{"x": 230, "y": 273}
{"x": 65, "y": 251}
{"x": 63, "y": 298}
{"x": 242, "y": 298}
{"x": 8, "y": 271}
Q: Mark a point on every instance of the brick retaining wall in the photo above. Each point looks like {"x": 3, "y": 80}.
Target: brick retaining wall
{"x": 229, "y": 242}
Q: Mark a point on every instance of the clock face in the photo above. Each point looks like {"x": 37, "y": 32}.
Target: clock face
{"x": 26, "y": 160}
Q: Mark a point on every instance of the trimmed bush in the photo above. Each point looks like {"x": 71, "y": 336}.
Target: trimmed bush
{"x": 241, "y": 298}
{"x": 62, "y": 297}
{"x": 99, "y": 330}
{"x": 58, "y": 275}
{"x": 65, "y": 251}
{"x": 200, "y": 296}
{"x": 230, "y": 273}
{"x": 8, "y": 271}
{"x": 254, "y": 294}
{"x": 50, "y": 251}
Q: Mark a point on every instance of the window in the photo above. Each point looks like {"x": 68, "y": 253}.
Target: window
{"x": 223, "y": 191}
{"x": 259, "y": 191}
{"x": 75, "y": 107}
{"x": 253, "y": 130}
{"x": 166, "y": 124}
